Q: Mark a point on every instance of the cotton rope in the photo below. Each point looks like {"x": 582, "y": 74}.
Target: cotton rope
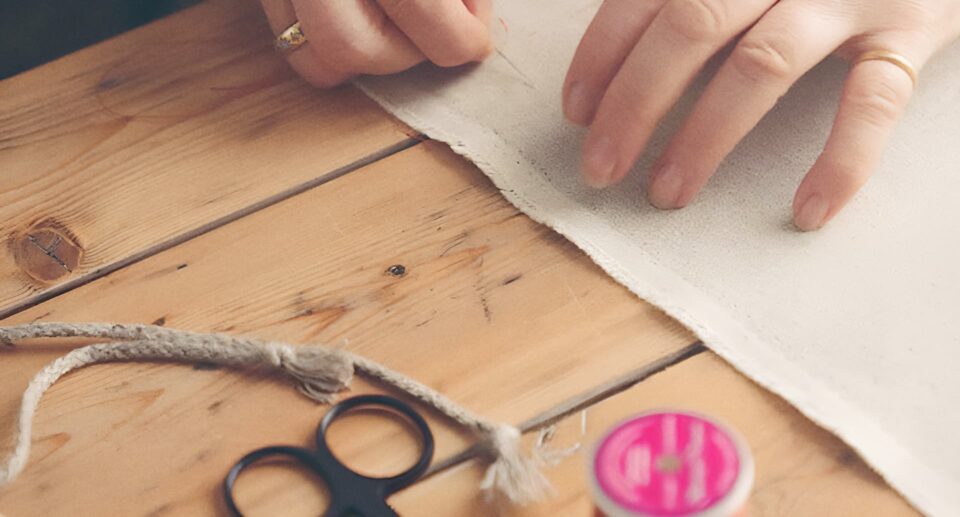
{"x": 320, "y": 372}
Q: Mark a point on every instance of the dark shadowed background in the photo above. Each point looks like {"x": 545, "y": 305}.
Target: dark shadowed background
{"x": 33, "y": 32}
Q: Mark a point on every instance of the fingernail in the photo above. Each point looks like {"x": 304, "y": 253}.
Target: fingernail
{"x": 598, "y": 162}
{"x": 666, "y": 188}
{"x": 812, "y": 213}
{"x": 577, "y": 105}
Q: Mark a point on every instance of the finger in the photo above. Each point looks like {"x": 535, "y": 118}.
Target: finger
{"x": 789, "y": 40}
{"x": 481, "y": 9}
{"x": 614, "y": 31}
{"x": 355, "y": 37}
{"x": 280, "y": 15}
{"x": 874, "y": 96}
{"x": 446, "y": 31}
{"x": 679, "y": 41}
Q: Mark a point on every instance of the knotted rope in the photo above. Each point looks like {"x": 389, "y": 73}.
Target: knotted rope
{"x": 320, "y": 372}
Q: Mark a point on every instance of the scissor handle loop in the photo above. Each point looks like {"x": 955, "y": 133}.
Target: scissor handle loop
{"x": 391, "y": 483}
{"x": 303, "y": 456}
{"x": 351, "y": 491}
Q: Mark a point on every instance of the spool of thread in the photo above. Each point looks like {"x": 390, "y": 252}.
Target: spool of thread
{"x": 670, "y": 463}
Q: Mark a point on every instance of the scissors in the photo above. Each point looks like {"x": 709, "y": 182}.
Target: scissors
{"x": 351, "y": 493}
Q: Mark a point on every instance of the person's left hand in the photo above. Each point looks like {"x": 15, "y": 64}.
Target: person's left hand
{"x": 637, "y": 58}
{"x": 346, "y": 38}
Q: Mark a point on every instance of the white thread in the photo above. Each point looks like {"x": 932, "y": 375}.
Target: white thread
{"x": 512, "y": 474}
{"x": 320, "y": 373}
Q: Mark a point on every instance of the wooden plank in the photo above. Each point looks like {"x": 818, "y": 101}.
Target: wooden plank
{"x": 801, "y": 469}
{"x": 495, "y": 311}
{"x": 131, "y": 145}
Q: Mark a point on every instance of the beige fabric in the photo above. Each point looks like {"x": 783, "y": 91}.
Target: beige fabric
{"x": 857, "y": 325}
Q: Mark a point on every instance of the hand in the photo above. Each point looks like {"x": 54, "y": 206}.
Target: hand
{"x": 346, "y": 38}
{"x": 637, "y": 57}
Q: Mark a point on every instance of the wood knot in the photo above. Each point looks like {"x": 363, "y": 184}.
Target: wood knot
{"x": 47, "y": 252}
{"x": 108, "y": 83}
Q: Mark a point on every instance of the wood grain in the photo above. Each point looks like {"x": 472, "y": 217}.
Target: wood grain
{"x": 181, "y": 175}
{"x": 493, "y": 310}
{"x": 802, "y": 470}
{"x": 135, "y": 142}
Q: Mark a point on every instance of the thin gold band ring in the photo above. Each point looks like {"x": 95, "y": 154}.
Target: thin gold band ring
{"x": 290, "y": 39}
{"x": 899, "y": 60}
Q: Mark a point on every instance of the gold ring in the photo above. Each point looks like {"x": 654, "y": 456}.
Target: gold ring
{"x": 890, "y": 57}
{"x": 290, "y": 39}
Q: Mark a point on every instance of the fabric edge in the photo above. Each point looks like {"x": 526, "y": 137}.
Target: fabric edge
{"x": 882, "y": 453}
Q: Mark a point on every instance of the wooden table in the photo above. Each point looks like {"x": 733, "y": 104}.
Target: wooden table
{"x": 181, "y": 175}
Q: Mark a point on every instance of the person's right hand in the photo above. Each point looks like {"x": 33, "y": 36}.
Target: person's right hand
{"x": 637, "y": 58}
{"x": 346, "y": 38}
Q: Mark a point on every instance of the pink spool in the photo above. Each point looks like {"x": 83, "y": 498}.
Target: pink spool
{"x": 671, "y": 464}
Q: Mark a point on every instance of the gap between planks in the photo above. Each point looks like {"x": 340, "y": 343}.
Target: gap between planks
{"x": 544, "y": 419}
{"x": 579, "y": 403}
{"x": 210, "y": 226}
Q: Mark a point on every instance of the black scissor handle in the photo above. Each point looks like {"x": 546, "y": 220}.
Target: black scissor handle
{"x": 351, "y": 493}
{"x": 391, "y": 484}
{"x": 303, "y": 456}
